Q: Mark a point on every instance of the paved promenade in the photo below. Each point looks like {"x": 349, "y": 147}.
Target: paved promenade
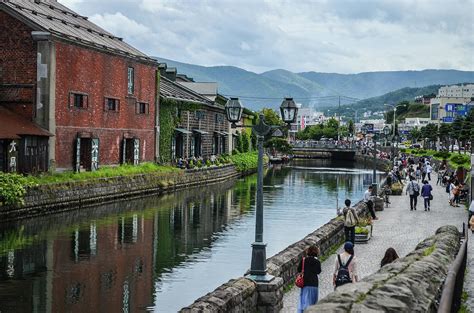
{"x": 397, "y": 227}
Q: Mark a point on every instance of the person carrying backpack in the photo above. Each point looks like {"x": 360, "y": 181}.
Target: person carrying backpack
{"x": 345, "y": 267}
{"x": 413, "y": 189}
{"x": 350, "y": 221}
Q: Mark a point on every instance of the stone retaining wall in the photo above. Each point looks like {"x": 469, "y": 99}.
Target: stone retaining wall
{"x": 282, "y": 265}
{"x": 52, "y": 198}
{"x": 410, "y": 284}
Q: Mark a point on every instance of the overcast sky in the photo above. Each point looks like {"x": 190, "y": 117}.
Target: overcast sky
{"x": 343, "y": 36}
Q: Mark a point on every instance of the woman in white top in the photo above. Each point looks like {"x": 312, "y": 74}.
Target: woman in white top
{"x": 344, "y": 258}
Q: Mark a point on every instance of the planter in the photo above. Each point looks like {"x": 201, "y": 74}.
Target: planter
{"x": 363, "y": 237}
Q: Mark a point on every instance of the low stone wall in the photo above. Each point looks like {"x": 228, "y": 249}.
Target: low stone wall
{"x": 410, "y": 284}
{"x": 53, "y": 198}
{"x": 282, "y": 265}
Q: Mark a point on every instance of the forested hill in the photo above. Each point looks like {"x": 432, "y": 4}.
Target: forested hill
{"x": 264, "y": 89}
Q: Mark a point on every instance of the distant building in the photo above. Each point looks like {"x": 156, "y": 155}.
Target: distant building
{"x": 456, "y": 91}
{"x": 412, "y": 123}
{"x": 424, "y": 99}
{"x": 446, "y": 110}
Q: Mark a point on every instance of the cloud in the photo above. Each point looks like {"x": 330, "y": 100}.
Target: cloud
{"x": 329, "y": 36}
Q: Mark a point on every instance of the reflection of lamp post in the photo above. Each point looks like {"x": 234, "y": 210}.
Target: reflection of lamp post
{"x": 234, "y": 109}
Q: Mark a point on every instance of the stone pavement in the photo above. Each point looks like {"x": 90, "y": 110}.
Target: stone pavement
{"x": 397, "y": 227}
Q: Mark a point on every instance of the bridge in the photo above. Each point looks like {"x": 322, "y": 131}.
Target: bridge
{"x": 324, "y": 150}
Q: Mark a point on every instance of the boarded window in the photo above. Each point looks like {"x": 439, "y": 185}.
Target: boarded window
{"x": 112, "y": 104}
{"x": 78, "y": 100}
{"x": 142, "y": 108}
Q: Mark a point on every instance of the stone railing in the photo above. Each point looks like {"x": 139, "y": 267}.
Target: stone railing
{"x": 410, "y": 284}
{"x": 52, "y": 198}
{"x": 283, "y": 265}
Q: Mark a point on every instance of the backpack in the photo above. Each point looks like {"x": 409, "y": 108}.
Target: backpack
{"x": 350, "y": 219}
{"x": 343, "y": 276}
{"x": 447, "y": 187}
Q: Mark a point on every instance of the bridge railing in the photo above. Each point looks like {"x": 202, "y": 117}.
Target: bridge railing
{"x": 324, "y": 145}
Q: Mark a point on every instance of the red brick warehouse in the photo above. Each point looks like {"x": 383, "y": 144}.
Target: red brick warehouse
{"x": 95, "y": 93}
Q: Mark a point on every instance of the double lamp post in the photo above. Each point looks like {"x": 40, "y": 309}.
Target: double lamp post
{"x": 234, "y": 110}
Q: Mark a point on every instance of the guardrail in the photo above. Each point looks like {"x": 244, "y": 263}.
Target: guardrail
{"x": 323, "y": 145}
{"x": 450, "y": 301}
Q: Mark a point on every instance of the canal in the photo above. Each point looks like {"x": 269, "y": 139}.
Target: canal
{"x": 161, "y": 253}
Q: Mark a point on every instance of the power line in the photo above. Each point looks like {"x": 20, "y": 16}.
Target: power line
{"x": 299, "y": 98}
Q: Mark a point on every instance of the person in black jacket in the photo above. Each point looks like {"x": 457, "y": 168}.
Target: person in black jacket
{"x": 311, "y": 268}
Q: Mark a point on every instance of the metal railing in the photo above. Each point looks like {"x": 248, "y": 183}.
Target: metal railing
{"x": 450, "y": 301}
{"x": 323, "y": 144}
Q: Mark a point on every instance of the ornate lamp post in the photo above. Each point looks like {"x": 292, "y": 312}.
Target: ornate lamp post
{"x": 234, "y": 109}
{"x": 374, "y": 174}
{"x": 386, "y": 132}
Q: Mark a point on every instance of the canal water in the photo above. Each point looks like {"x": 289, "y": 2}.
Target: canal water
{"x": 159, "y": 254}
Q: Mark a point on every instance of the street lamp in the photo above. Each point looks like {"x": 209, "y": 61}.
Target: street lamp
{"x": 233, "y": 109}
{"x": 386, "y": 132}
{"x": 374, "y": 174}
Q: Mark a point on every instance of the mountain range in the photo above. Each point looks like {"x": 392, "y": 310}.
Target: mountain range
{"x": 320, "y": 90}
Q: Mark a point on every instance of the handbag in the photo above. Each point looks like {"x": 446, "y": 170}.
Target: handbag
{"x": 431, "y": 197}
{"x": 299, "y": 282}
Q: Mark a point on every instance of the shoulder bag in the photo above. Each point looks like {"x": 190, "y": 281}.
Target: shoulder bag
{"x": 299, "y": 282}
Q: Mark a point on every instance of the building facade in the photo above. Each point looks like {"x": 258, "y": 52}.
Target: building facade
{"x": 94, "y": 93}
{"x": 456, "y": 91}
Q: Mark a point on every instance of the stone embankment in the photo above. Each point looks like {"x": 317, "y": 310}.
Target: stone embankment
{"x": 410, "y": 284}
{"x": 58, "y": 197}
{"x": 244, "y": 295}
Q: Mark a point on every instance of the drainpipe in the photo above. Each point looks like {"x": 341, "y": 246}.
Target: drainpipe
{"x": 157, "y": 118}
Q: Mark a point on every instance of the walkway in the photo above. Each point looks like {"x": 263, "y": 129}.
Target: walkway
{"x": 397, "y": 227}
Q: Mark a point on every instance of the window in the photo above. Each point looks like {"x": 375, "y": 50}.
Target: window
{"x": 131, "y": 80}
{"x": 78, "y": 100}
{"x": 142, "y": 108}
{"x": 112, "y": 104}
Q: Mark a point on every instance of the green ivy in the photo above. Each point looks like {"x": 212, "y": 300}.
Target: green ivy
{"x": 169, "y": 120}
{"x": 13, "y": 188}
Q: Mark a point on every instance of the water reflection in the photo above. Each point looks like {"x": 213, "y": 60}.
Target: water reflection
{"x": 161, "y": 253}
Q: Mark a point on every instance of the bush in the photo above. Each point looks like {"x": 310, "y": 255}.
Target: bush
{"x": 460, "y": 159}
{"x": 208, "y": 162}
{"x": 13, "y": 188}
{"x": 364, "y": 221}
{"x": 361, "y": 230}
{"x": 442, "y": 155}
{"x": 397, "y": 189}
{"x": 403, "y": 150}
{"x": 199, "y": 163}
{"x": 245, "y": 161}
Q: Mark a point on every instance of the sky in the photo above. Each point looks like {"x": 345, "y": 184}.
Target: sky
{"x": 338, "y": 36}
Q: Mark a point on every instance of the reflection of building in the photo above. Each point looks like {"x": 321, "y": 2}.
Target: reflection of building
{"x": 84, "y": 277}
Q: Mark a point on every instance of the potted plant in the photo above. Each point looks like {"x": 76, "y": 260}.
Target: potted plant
{"x": 397, "y": 189}
{"x": 363, "y": 230}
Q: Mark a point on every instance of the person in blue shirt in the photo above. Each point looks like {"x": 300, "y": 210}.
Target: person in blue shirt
{"x": 426, "y": 194}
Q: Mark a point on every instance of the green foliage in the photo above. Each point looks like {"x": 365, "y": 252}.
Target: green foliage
{"x": 428, "y": 251}
{"x": 15, "y": 239}
{"x": 278, "y": 144}
{"x": 361, "y": 230}
{"x": 245, "y": 161}
{"x": 208, "y": 162}
{"x": 13, "y": 188}
{"x": 239, "y": 143}
{"x": 245, "y": 142}
{"x": 169, "y": 120}
{"x": 460, "y": 159}
{"x": 316, "y": 132}
{"x": 104, "y": 172}
{"x": 272, "y": 117}
{"x": 442, "y": 155}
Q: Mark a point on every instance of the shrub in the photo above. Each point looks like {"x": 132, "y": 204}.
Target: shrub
{"x": 245, "y": 161}
{"x": 13, "y": 188}
{"x": 442, "y": 155}
{"x": 361, "y": 230}
{"x": 364, "y": 221}
{"x": 403, "y": 150}
{"x": 208, "y": 162}
{"x": 397, "y": 189}
{"x": 460, "y": 159}
{"x": 199, "y": 163}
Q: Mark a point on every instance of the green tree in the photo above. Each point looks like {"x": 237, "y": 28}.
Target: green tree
{"x": 444, "y": 133}
{"x": 456, "y": 130}
{"x": 415, "y": 134}
{"x": 245, "y": 142}
{"x": 351, "y": 127}
{"x": 272, "y": 117}
{"x": 239, "y": 146}
{"x": 278, "y": 145}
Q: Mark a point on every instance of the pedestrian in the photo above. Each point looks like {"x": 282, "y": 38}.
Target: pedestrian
{"x": 390, "y": 256}
{"x": 350, "y": 221}
{"x": 310, "y": 267}
{"x": 368, "y": 201}
{"x": 423, "y": 171}
{"x": 471, "y": 211}
{"x": 453, "y": 191}
{"x": 426, "y": 194}
{"x": 413, "y": 189}
{"x": 429, "y": 169}
{"x": 345, "y": 267}
{"x": 418, "y": 173}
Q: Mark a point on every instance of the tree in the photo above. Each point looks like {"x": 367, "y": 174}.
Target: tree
{"x": 444, "y": 133}
{"x": 272, "y": 117}
{"x": 456, "y": 130}
{"x": 245, "y": 142}
{"x": 278, "y": 144}
{"x": 415, "y": 134}
{"x": 351, "y": 127}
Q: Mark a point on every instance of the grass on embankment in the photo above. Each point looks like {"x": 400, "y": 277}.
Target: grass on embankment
{"x": 454, "y": 159}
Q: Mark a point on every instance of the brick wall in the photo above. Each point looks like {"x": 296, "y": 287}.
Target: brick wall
{"x": 101, "y": 75}
{"x": 17, "y": 62}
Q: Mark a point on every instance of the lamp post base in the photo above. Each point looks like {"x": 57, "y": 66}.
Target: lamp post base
{"x": 258, "y": 266}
